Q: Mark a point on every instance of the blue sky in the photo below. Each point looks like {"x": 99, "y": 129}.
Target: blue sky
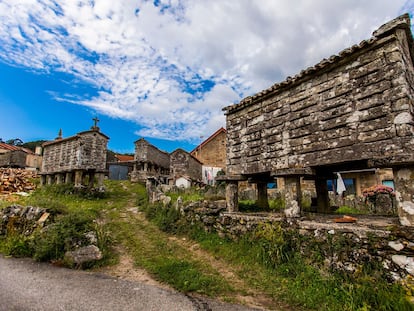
{"x": 162, "y": 70}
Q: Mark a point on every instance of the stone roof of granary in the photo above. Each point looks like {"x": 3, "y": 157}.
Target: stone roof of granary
{"x": 78, "y": 135}
{"x": 401, "y": 22}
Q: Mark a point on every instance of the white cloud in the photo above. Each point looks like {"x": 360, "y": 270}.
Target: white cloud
{"x": 144, "y": 59}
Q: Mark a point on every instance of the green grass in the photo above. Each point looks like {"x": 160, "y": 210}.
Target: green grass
{"x": 267, "y": 261}
{"x": 350, "y": 210}
{"x": 167, "y": 260}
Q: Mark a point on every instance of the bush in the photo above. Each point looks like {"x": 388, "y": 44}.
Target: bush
{"x": 66, "y": 233}
{"x": 16, "y": 245}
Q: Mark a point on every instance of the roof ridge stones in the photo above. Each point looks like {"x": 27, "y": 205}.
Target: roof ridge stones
{"x": 401, "y": 22}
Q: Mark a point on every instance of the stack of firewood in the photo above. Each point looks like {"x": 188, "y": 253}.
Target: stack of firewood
{"x": 16, "y": 180}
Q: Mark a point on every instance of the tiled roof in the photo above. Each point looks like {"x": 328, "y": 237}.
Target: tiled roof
{"x": 14, "y": 148}
{"x": 124, "y": 158}
{"x": 220, "y": 130}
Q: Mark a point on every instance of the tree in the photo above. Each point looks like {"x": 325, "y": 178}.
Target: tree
{"x": 15, "y": 142}
{"x": 33, "y": 144}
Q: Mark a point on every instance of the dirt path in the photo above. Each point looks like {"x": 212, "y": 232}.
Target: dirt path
{"x": 244, "y": 294}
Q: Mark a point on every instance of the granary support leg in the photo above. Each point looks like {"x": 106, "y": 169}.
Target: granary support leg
{"x": 293, "y": 196}
{"x": 232, "y": 196}
{"x": 262, "y": 199}
{"x": 100, "y": 179}
{"x": 78, "y": 178}
{"x": 68, "y": 178}
{"x": 59, "y": 179}
{"x": 322, "y": 195}
{"x": 91, "y": 179}
{"x": 42, "y": 180}
{"x": 404, "y": 194}
{"x": 50, "y": 179}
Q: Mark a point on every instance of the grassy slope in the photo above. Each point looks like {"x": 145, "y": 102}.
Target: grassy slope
{"x": 210, "y": 265}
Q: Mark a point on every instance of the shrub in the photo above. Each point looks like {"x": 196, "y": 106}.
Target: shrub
{"x": 66, "y": 233}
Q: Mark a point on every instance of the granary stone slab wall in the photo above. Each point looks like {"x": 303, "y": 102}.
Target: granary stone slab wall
{"x": 145, "y": 152}
{"x": 357, "y": 105}
{"x": 149, "y": 162}
{"x": 353, "y": 110}
{"x": 85, "y": 151}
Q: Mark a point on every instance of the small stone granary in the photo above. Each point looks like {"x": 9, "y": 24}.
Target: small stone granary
{"x": 80, "y": 159}
{"x": 150, "y": 162}
{"x": 351, "y": 111}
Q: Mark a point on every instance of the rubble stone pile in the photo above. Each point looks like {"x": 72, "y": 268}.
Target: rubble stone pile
{"x": 22, "y": 219}
{"x": 16, "y": 180}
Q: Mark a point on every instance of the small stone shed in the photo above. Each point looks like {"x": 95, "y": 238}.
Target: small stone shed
{"x": 351, "y": 111}
{"x": 183, "y": 164}
{"x": 80, "y": 159}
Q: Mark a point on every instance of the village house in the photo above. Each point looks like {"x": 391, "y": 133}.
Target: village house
{"x": 212, "y": 154}
{"x": 351, "y": 112}
{"x": 79, "y": 159}
{"x": 19, "y": 157}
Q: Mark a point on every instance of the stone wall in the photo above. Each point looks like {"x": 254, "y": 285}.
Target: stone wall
{"x": 184, "y": 164}
{"x": 343, "y": 246}
{"x": 353, "y": 106}
{"x": 212, "y": 152}
{"x": 15, "y": 158}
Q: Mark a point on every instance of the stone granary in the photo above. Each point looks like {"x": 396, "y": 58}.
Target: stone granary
{"x": 80, "y": 159}
{"x": 352, "y": 111}
{"x": 150, "y": 162}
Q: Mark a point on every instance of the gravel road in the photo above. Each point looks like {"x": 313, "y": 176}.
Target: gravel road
{"x": 26, "y": 285}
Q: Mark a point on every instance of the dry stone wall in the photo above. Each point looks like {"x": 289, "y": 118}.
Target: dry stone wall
{"x": 342, "y": 247}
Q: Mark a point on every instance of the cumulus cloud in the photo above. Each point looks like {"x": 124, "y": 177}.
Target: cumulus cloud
{"x": 172, "y": 65}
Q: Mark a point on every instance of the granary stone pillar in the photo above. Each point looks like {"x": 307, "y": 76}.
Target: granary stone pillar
{"x": 91, "y": 180}
{"x": 232, "y": 195}
{"x": 78, "y": 178}
{"x": 404, "y": 194}
{"x": 50, "y": 179}
{"x": 42, "y": 180}
{"x": 322, "y": 195}
{"x": 100, "y": 179}
{"x": 262, "y": 198}
{"x": 68, "y": 178}
{"x": 59, "y": 178}
{"x": 293, "y": 196}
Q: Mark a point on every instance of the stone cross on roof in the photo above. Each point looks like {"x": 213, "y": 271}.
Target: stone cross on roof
{"x": 95, "y": 125}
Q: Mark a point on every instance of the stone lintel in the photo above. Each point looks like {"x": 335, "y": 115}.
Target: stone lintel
{"x": 397, "y": 160}
{"x": 285, "y": 172}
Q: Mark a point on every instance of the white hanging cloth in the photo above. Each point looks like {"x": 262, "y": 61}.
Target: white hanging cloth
{"x": 340, "y": 185}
